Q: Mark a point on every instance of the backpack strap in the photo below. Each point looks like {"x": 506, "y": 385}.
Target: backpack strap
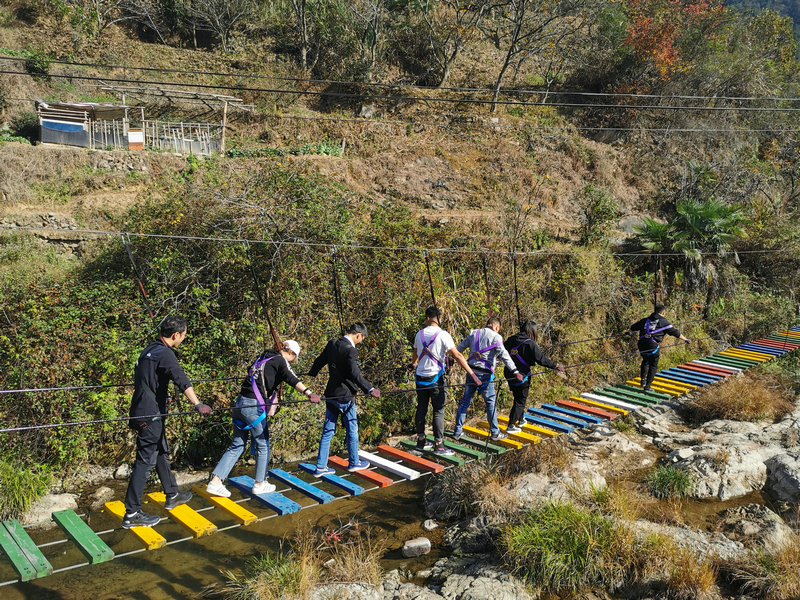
{"x": 258, "y": 367}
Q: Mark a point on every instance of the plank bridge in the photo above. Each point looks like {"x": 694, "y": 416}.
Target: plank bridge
{"x": 389, "y": 465}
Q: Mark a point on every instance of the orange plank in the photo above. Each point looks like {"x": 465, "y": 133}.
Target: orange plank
{"x": 587, "y": 409}
{"x": 417, "y": 461}
{"x": 370, "y": 476}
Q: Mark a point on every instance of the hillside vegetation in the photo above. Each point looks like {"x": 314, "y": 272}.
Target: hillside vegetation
{"x": 486, "y": 133}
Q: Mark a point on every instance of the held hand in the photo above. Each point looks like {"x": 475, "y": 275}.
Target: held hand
{"x": 314, "y": 398}
{"x": 560, "y": 368}
{"x": 519, "y": 376}
{"x": 688, "y": 341}
{"x": 375, "y": 393}
{"x": 411, "y": 367}
{"x": 476, "y": 379}
{"x": 203, "y": 409}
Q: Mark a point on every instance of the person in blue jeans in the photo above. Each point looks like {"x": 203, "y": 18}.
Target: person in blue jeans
{"x": 484, "y": 347}
{"x": 344, "y": 381}
{"x": 256, "y": 401}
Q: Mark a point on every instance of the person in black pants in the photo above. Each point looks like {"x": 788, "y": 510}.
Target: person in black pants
{"x": 156, "y": 366}
{"x": 525, "y": 353}
{"x": 652, "y": 330}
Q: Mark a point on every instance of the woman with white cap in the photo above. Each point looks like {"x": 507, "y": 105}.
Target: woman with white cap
{"x": 257, "y": 400}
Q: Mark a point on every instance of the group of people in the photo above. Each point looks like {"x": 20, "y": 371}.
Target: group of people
{"x": 433, "y": 347}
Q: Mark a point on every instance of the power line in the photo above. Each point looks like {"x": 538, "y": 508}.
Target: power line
{"x": 477, "y": 251}
{"x": 413, "y": 98}
{"x": 240, "y": 75}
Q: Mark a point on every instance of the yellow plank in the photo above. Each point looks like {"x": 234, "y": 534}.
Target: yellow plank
{"x": 149, "y": 536}
{"x": 186, "y": 516}
{"x": 789, "y": 333}
{"x": 531, "y": 428}
{"x": 525, "y": 438}
{"x": 669, "y": 384}
{"x": 656, "y": 387}
{"x": 481, "y": 434}
{"x": 600, "y": 405}
{"x": 237, "y": 511}
{"x": 747, "y": 354}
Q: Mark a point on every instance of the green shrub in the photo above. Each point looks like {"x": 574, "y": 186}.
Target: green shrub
{"x": 26, "y": 125}
{"x": 38, "y": 66}
{"x": 20, "y": 487}
{"x": 669, "y": 482}
{"x": 562, "y": 547}
{"x": 597, "y": 212}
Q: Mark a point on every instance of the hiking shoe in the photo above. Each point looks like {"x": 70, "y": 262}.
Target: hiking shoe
{"x": 457, "y": 436}
{"x": 441, "y": 450}
{"x": 139, "y": 519}
{"x": 513, "y": 429}
{"x": 359, "y": 466}
{"x": 423, "y": 444}
{"x": 262, "y": 487}
{"x": 498, "y": 436}
{"x": 177, "y": 499}
{"x": 218, "y": 490}
{"x": 646, "y": 389}
{"x": 323, "y": 471}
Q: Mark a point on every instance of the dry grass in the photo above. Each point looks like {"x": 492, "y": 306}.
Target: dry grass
{"x": 548, "y": 457}
{"x": 628, "y": 501}
{"x": 691, "y": 577}
{"x": 750, "y": 397}
{"x": 769, "y": 576}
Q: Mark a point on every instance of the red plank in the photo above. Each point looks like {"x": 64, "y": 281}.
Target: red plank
{"x": 370, "y": 476}
{"x": 777, "y": 344}
{"x": 706, "y": 370}
{"x": 587, "y": 409}
{"x": 417, "y": 461}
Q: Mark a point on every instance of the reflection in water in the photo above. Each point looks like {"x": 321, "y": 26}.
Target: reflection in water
{"x": 181, "y": 570}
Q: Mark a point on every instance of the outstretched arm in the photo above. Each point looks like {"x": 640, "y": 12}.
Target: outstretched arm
{"x": 459, "y": 358}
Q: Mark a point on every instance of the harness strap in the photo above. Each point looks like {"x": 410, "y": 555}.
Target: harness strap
{"x": 649, "y": 335}
{"x": 426, "y": 351}
{"x": 432, "y": 381}
{"x": 258, "y": 366}
{"x": 477, "y": 355}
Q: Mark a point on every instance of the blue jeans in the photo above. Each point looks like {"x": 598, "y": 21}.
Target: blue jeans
{"x": 246, "y": 410}
{"x": 488, "y": 396}
{"x": 347, "y": 409}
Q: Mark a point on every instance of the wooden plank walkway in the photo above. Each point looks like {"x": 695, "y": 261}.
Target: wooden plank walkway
{"x": 151, "y": 539}
{"x": 87, "y": 541}
{"x": 25, "y": 557}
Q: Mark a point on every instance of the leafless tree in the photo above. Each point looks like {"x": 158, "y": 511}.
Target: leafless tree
{"x": 368, "y": 19}
{"x": 219, "y": 16}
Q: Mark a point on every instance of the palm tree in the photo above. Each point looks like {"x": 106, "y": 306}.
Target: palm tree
{"x": 656, "y": 237}
{"x": 706, "y": 225}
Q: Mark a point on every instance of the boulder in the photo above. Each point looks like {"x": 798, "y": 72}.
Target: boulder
{"x": 708, "y": 545}
{"x": 754, "y": 524}
{"x": 45, "y": 506}
{"x": 783, "y": 477}
{"x": 100, "y": 496}
{"x": 123, "y": 471}
{"x": 416, "y": 547}
{"x": 337, "y": 591}
{"x": 429, "y": 525}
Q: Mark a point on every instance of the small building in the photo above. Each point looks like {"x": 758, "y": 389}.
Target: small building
{"x": 87, "y": 125}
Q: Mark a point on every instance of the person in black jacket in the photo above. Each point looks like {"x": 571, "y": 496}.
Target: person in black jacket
{"x": 525, "y": 353}
{"x": 257, "y": 400}
{"x": 652, "y": 330}
{"x": 156, "y": 367}
{"x": 344, "y": 380}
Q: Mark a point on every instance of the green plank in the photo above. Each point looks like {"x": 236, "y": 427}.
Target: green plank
{"x": 649, "y": 401}
{"x": 18, "y": 559}
{"x": 732, "y": 362}
{"x": 490, "y": 447}
{"x": 26, "y": 546}
{"x": 614, "y": 395}
{"x": 657, "y": 396}
{"x": 84, "y": 538}
{"x": 453, "y": 460}
{"x": 460, "y": 448}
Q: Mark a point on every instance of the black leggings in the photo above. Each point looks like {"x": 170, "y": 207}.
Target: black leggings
{"x": 649, "y": 368}
{"x": 520, "y": 393}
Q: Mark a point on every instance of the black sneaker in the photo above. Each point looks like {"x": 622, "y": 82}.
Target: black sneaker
{"x": 140, "y": 519}
{"x": 456, "y": 436}
{"x": 177, "y": 499}
{"x": 498, "y": 436}
{"x": 423, "y": 444}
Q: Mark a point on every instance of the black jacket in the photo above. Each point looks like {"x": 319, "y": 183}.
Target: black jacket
{"x": 276, "y": 371}
{"x": 345, "y": 376}
{"x": 156, "y": 366}
{"x": 528, "y": 351}
{"x": 656, "y": 322}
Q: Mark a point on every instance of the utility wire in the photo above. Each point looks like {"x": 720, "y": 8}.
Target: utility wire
{"x": 353, "y": 246}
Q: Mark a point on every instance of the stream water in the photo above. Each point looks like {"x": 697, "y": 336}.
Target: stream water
{"x": 184, "y": 569}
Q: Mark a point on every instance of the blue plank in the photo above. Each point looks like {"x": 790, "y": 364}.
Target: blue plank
{"x": 695, "y": 374}
{"x": 280, "y": 504}
{"x": 763, "y": 349}
{"x": 301, "y": 486}
{"x": 678, "y": 379}
{"x": 686, "y": 377}
{"x": 557, "y": 417}
{"x": 572, "y": 413}
{"x": 549, "y": 424}
{"x": 340, "y": 482}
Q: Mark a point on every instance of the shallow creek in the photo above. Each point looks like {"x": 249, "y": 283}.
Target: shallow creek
{"x": 183, "y": 569}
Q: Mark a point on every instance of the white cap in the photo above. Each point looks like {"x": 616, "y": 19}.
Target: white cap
{"x": 293, "y": 346}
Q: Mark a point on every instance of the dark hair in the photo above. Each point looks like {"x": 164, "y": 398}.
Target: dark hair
{"x": 530, "y": 329}
{"x": 659, "y": 308}
{"x": 358, "y": 327}
{"x": 492, "y": 321}
{"x": 172, "y": 324}
{"x": 433, "y": 313}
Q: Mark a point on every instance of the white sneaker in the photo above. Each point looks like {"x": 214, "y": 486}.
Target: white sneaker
{"x": 262, "y": 488}
{"x": 217, "y": 489}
